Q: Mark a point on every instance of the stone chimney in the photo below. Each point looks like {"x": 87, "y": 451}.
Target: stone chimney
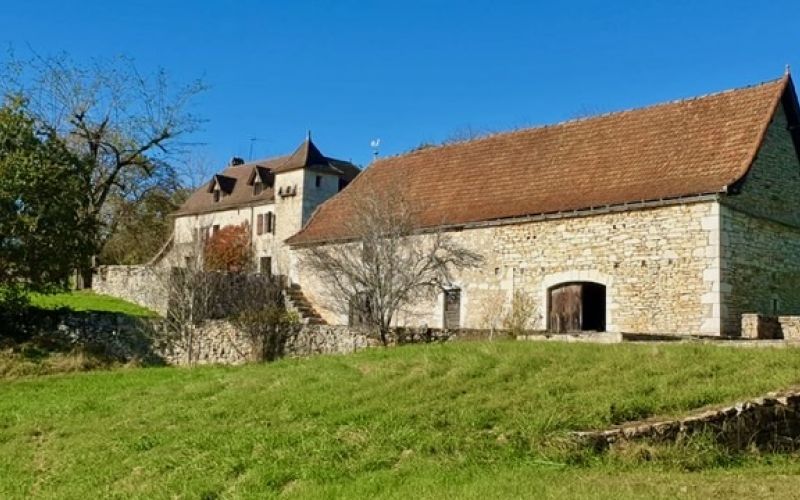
{"x": 236, "y": 161}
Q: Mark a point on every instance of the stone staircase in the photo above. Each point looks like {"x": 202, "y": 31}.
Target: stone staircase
{"x": 296, "y": 301}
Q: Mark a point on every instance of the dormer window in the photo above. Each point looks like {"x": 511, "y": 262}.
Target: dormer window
{"x": 258, "y": 188}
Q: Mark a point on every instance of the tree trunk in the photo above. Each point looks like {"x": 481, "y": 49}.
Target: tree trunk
{"x": 384, "y": 336}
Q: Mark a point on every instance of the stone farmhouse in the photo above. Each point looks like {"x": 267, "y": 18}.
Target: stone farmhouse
{"x": 675, "y": 218}
{"x": 273, "y": 197}
{"x": 671, "y": 219}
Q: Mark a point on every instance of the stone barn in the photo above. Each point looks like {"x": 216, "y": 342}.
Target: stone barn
{"x": 671, "y": 219}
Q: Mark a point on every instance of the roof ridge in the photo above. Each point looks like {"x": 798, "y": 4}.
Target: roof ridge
{"x": 571, "y": 121}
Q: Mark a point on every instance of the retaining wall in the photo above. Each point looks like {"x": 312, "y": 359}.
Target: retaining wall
{"x": 759, "y": 326}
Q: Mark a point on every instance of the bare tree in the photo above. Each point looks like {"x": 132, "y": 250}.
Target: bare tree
{"x": 122, "y": 128}
{"x": 493, "y": 311}
{"x": 522, "y": 314}
{"x": 389, "y": 263}
{"x": 188, "y": 291}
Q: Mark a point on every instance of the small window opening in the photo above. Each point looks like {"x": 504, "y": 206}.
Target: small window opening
{"x": 318, "y": 181}
{"x": 342, "y": 183}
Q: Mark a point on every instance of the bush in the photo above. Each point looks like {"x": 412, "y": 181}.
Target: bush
{"x": 267, "y": 329}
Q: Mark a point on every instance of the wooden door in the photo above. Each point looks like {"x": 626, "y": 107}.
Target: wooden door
{"x": 452, "y": 309}
{"x": 566, "y": 311}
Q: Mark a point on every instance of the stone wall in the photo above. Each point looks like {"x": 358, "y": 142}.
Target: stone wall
{"x": 218, "y": 341}
{"x": 773, "y": 181}
{"x": 117, "y": 336}
{"x": 125, "y": 338}
{"x": 770, "y": 423}
{"x": 137, "y": 284}
{"x": 760, "y": 234}
{"x": 660, "y": 267}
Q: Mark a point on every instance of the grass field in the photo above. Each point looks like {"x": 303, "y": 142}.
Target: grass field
{"x": 88, "y": 301}
{"x": 461, "y": 420}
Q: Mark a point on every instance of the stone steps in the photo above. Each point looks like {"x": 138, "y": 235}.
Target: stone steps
{"x": 298, "y": 302}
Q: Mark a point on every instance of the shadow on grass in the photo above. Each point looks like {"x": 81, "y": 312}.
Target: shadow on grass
{"x": 34, "y": 335}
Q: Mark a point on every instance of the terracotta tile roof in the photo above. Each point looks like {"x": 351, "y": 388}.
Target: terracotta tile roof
{"x": 681, "y": 148}
{"x": 237, "y": 180}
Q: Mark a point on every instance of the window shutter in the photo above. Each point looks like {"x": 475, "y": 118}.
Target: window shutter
{"x": 272, "y": 223}
{"x": 268, "y": 222}
{"x": 259, "y": 224}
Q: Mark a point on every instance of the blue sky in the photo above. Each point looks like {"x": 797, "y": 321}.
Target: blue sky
{"x": 408, "y": 72}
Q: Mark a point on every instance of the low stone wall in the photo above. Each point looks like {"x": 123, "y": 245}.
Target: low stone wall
{"x": 114, "y": 335}
{"x": 759, "y": 326}
{"x": 137, "y": 284}
{"x": 770, "y": 423}
{"x": 219, "y": 341}
{"x": 124, "y": 338}
{"x": 590, "y": 337}
{"x": 790, "y": 327}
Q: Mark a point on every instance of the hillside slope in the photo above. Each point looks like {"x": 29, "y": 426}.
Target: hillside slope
{"x": 465, "y": 419}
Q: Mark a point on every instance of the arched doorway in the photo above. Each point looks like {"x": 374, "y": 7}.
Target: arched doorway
{"x": 576, "y": 307}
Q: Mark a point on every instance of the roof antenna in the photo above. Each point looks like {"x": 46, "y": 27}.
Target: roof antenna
{"x": 308, "y": 135}
{"x": 375, "y": 144}
{"x": 252, "y": 140}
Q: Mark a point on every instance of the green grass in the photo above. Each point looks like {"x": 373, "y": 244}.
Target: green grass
{"x": 472, "y": 420}
{"x": 86, "y": 300}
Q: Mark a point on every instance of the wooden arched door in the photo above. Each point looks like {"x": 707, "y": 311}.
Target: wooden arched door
{"x": 577, "y": 306}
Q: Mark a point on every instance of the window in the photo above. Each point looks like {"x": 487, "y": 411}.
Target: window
{"x": 216, "y": 195}
{"x": 215, "y": 229}
{"x": 260, "y": 224}
{"x": 269, "y": 222}
{"x": 265, "y": 266}
{"x": 342, "y": 183}
{"x": 258, "y": 188}
{"x": 318, "y": 181}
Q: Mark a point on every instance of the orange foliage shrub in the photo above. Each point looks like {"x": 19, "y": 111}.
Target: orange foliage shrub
{"x": 229, "y": 249}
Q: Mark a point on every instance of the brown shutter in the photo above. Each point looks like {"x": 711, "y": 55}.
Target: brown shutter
{"x": 259, "y": 224}
{"x": 272, "y": 223}
{"x": 268, "y": 222}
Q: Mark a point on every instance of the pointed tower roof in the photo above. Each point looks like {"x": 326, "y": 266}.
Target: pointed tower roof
{"x": 306, "y": 155}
